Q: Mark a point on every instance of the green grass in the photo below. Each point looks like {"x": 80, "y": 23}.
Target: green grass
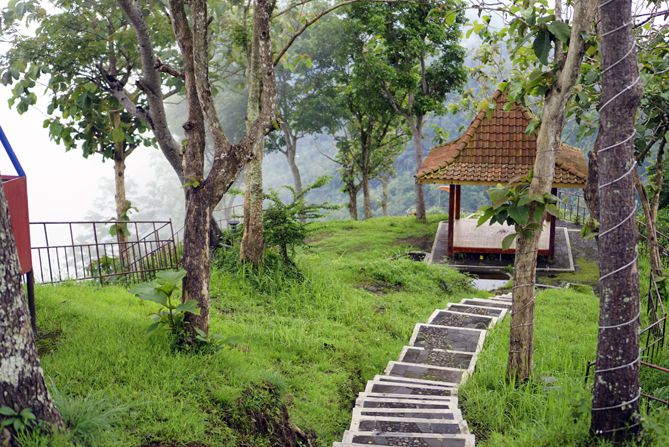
{"x": 308, "y": 344}
{"x": 553, "y": 409}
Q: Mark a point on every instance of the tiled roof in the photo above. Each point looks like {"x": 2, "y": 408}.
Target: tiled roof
{"x": 496, "y": 149}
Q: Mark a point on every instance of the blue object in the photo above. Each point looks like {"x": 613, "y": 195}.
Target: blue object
{"x": 11, "y": 154}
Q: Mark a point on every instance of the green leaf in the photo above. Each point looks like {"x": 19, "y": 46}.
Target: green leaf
{"x": 560, "y": 30}
{"x": 542, "y": 46}
{"x": 189, "y": 306}
{"x": 6, "y": 411}
{"x": 666, "y": 135}
{"x": 497, "y": 196}
{"x": 173, "y": 277}
{"x": 153, "y": 327}
{"x": 552, "y": 209}
{"x": 508, "y": 240}
{"x": 450, "y": 18}
{"x": 148, "y": 292}
{"x": 520, "y": 214}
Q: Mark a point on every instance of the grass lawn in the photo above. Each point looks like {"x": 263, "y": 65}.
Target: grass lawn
{"x": 306, "y": 347}
{"x": 554, "y": 408}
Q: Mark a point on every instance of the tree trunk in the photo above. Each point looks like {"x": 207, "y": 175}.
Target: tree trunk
{"x": 196, "y": 257}
{"x": 417, "y": 134}
{"x": 651, "y": 229}
{"x": 291, "y": 152}
{"x": 253, "y": 243}
{"x": 121, "y": 206}
{"x": 366, "y": 200}
{"x": 384, "y": 196}
{"x": 519, "y": 365}
{"x": 353, "y": 203}
{"x": 253, "y": 239}
{"x": 616, "y": 391}
{"x": 21, "y": 378}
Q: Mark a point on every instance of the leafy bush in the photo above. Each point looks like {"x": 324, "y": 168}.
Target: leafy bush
{"x": 286, "y": 222}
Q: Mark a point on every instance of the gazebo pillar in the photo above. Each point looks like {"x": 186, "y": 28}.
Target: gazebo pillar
{"x": 451, "y": 217}
{"x": 551, "y": 241}
{"x": 457, "y": 203}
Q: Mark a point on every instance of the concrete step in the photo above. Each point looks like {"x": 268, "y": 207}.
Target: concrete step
{"x": 403, "y": 439}
{"x": 397, "y": 379}
{"x": 446, "y": 414}
{"x": 486, "y": 303}
{"x": 461, "y": 319}
{"x": 446, "y": 397}
{"x": 438, "y": 357}
{"x": 448, "y": 338}
{"x": 384, "y": 424}
{"x": 369, "y": 402}
{"x": 452, "y": 376}
{"x": 478, "y": 310}
{"x": 408, "y": 389}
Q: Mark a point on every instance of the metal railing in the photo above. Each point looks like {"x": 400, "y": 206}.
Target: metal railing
{"x": 572, "y": 206}
{"x": 85, "y": 250}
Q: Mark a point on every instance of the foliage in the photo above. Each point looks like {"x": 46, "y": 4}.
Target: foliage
{"x": 513, "y": 205}
{"x": 120, "y": 228}
{"x": 286, "y": 223}
{"x": 17, "y": 420}
{"x": 172, "y": 311}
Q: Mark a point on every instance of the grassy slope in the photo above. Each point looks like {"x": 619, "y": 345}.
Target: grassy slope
{"x": 319, "y": 340}
{"x": 552, "y": 410}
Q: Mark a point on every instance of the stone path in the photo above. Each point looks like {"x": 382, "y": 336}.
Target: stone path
{"x": 415, "y": 402}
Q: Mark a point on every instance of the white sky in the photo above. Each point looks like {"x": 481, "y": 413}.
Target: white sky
{"x": 63, "y": 185}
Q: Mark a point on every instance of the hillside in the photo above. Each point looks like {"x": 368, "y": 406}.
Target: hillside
{"x": 307, "y": 343}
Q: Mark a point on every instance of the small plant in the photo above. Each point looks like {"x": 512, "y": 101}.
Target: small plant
{"x": 286, "y": 222}
{"x": 18, "y": 421}
{"x": 164, "y": 291}
{"x": 513, "y": 204}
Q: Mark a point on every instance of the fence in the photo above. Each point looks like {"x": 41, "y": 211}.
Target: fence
{"x": 572, "y": 206}
{"x": 85, "y": 250}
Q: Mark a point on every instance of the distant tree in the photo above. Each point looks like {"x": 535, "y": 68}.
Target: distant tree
{"x": 78, "y": 52}
{"x": 418, "y": 61}
{"x": 22, "y": 384}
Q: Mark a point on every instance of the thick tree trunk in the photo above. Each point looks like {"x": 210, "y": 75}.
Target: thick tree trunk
{"x": 196, "y": 257}
{"x": 353, "y": 203}
{"x": 616, "y": 392}
{"x": 253, "y": 239}
{"x": 519, "y": 365}
{"x": 21, "y": 378}
{"x": 366, "y": 199}
{"x": 417, "y": 134}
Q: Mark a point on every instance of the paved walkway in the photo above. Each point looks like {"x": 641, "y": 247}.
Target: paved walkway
{"x": 414, "y": 403}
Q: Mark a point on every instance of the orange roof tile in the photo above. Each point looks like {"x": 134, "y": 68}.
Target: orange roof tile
{"x": 495, "y": 149}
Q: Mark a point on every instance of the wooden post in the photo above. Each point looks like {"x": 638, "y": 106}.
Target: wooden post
{"x": 551, "y": 242}
{"x": 451, "y": 218}
{"x": 457, "y": 203}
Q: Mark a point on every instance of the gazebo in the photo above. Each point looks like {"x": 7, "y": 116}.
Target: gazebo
{"x": 495, "y": 150}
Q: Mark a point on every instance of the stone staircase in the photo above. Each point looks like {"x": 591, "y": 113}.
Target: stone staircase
{"x": 415, "y": 402}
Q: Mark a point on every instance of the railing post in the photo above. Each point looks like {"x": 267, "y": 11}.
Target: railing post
{"x": 97, "y": 251}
